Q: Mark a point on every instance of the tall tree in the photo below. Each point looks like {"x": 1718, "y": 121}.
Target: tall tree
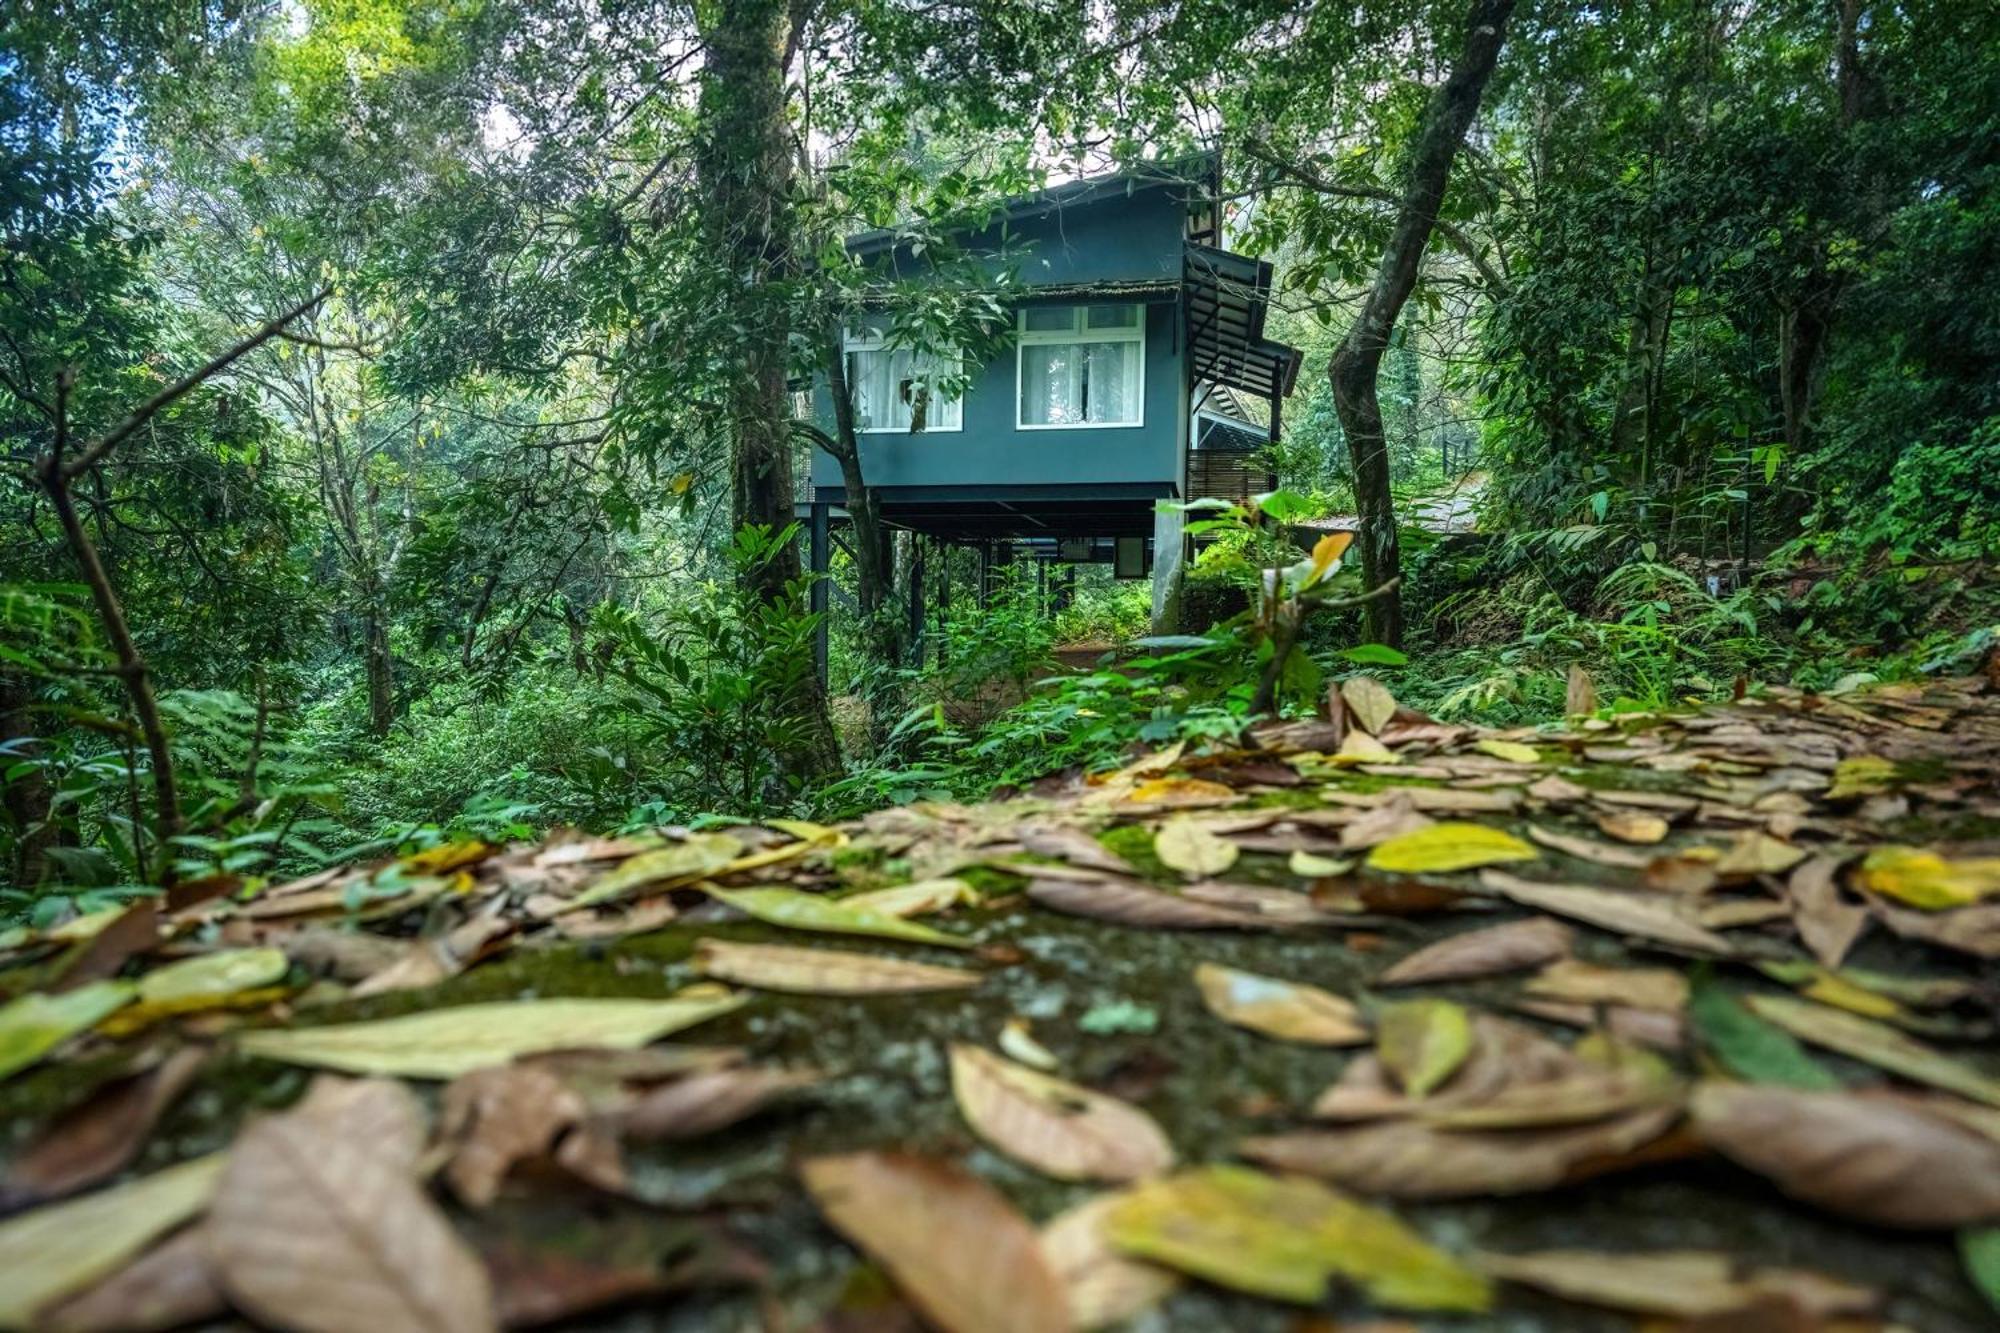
{"x": 1357, "y": 362}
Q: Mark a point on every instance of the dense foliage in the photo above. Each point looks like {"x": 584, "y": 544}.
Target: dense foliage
{"x": 1711, "y": 317}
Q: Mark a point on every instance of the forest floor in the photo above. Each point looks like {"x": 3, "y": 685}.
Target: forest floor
{"x": 1683, "y": 1022}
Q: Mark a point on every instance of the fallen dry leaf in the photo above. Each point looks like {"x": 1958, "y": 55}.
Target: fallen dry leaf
{"x": 99, "y": 1138}
{"x": 1685, "y": 1284}
{"x": 794, "y": 910}
{"x": 918, "y": 899}
{"x": 1289, "y": 1011}
{"x": 1586, "y": 849}
{"x": 959, "y": 1250}
{"x": 823, "y": 971}
{"x": 1609, "y": 909}
{"x": 1828, "y": 926}
{"x": 58, "y": 1250}
{"x": 1408, "y": 1159}
{"x": 444, "y": 1043}
{"x": 1483, "y": 953}
{"x": 321, "y": 1231}
{"x": 1054, "y": 1126}
{"x": 1183, "y": 845}
{"x": 1368, "y": 702}
{"x": 1928, "y": 881}
{"x": 1287, "y": 1238}
{"x": 169, "y": 1286}
{"x": 704, "y": 1102}
{"x": 1130, "y": 903}
{"x": 1587, "y": 983}
{"x": 1880, "y": 1160}
{"x": 492, "y": 1118}
{"x": 1104, "y": 1287}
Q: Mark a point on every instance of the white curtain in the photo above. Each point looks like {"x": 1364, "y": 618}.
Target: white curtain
{"x": 1051, "y": 384}
{"x": 1114, "y": 381}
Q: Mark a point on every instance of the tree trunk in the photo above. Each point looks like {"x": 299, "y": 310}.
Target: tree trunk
{"x": 380, "y": 671}
{"x": 874, "y": 564}
{"x": 743, "y": 165}
{"x": 1357, "y": 362}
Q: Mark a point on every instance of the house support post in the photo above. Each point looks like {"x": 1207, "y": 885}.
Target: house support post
{"x": 821, "y": 554}
{"x": 943, "y": 598}
{"x": 1169, "y": 546}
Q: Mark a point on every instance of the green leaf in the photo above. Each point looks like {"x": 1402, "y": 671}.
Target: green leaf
{"x": 1374, "y": 654}
{"x": 1747, "y": 1046}
{"x": 1423, "y": 1042}
{"x": 1877, "y": 1044}
{"x": 809, "y": 911}
{"x": 1979, "y": 1247}
{"x": 36, "y": 1024}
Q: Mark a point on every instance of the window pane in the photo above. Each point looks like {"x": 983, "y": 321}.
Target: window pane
{"x": 1049, "y": 319}
{"x": 1051, "y": 384}
{"x": 1114, "y": 381}
{"x": 868, "y": 381}
{"x": 1111, "y": 317}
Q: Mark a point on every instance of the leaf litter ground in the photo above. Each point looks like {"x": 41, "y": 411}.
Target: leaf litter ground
{"x": 1740, "y": 1076}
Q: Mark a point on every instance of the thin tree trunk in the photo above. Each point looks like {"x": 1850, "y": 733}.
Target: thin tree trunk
{"x": 380, "y": 670}
{"x": 1356, "y": 364}
{"x": 28, "y": 796}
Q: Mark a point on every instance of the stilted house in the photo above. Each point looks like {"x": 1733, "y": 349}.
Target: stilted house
{"x": 1139, "y": 343}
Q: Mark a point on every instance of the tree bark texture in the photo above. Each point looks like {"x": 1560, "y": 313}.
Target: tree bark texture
{"x": 1356, "y": 364}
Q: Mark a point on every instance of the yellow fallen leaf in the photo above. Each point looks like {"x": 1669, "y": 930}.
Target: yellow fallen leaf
{"x": 1514, "y": 752}
{"x": 1634, "y": 826}
{"x": 918, "y": 899}
{"x": 1286, "y": 1010}
{"x": 1361, "y": 748}
{"x": 1863, "y": 775}
{"x": 444, "y": 1043}
{"x": 35, "y": 1024}
{"x": 1178, "y": 790}
{"x": 1286, "y": 1237}
{"x": 1183, "y": 845}
{"x": 692, "y": 857}
{"x": 1423, "y": 1042}
{"x": 53, "y": 1251}
{"x": 1451, "y": 845}
{"x": 797, "y": 910}
{"x": 213, "y": 975}
{"x": 1929, "y": 881}
{"x": 1836, "y": 990}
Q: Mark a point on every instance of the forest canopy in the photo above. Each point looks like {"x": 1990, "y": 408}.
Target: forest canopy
{"x": 401, "y": 401}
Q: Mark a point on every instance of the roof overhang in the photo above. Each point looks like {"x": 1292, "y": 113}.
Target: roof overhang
{"x": 1228, "y": 296}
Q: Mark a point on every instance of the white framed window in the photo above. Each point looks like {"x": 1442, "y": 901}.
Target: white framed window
{"x": 1080, "y": 366}
{"x": 888, "y": 383}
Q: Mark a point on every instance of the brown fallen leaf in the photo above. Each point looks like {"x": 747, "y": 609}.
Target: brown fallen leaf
{"x": 170, "y": 1285}
{"x": 1289, "y": 1011}
{"x": 1657, "y": 1028}
{"x": 99, "y": 1138}
{"x": 1754, "y": 853}
{"x": 1104, "y": 1287}
{"x": 326, "y": 1232}
{"x": 951, "y": 1241}
{"x": 1685, "y": 1284}
{"x": 812, "y": 971}
{"x": 428, "y": 962}
{"x": 492, "y": 1118}
{"x": 1504, "y": 1054}
{"x": 702, "y": 1103}
{"x": 1395, "y": 818}
{"x": 1074, "y": 845}
{"x": 1587, "y": 849}
{"x": 1579, "y": 692}
{"x": 1130, "y": 903}
{"x": 1608, "y": 909}
{"x": 132, "y": 932}
{"x": 1579, "y": 982}
{"x": 1879, "y": 1160}
{"x": 1828, "y": 926}
{"x": 1368, "y": 702}
{"x": 1483, "y": 953}
{"x": 1408, "y": 1159}
{"x": 1576, "y": 1099}
{"x": 1054, "y": 1126}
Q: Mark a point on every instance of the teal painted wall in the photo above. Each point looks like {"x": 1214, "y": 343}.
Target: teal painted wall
{"x": 1120, "y": 238}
